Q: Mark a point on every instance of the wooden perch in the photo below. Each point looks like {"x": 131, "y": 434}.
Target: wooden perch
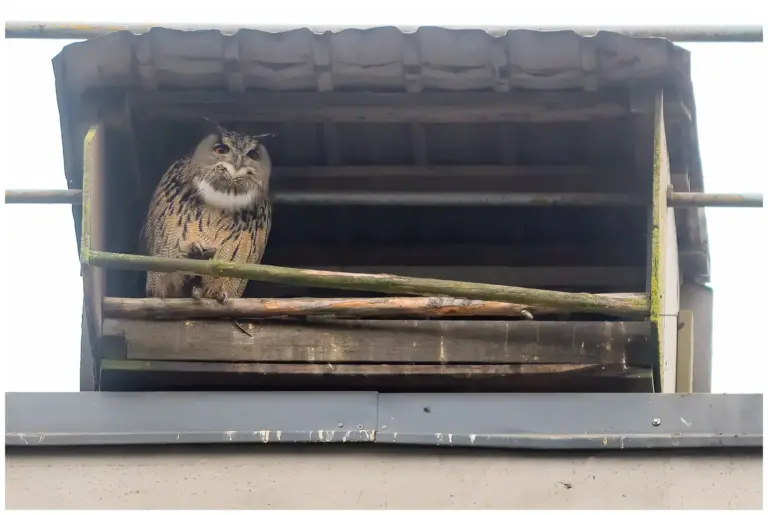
{"x": 392, "y": 284}
{"x": 181, "y": 309}
{"x": 43, "y": 196}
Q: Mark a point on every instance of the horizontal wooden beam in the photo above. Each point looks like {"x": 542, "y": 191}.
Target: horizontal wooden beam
{"x": 691, "y": 199}
{"x": 447, "y": 179}
{"x": 594, "y": 253}
{"x": 72, "y": 196}
{"x": 386, "y": 307}
{"x": 435, "y": 107}
{"x": 524, "y": 276}
{"x": 432, "y": 198}
{"x": 369, "y": 369}
{"x": 441, "y": 171}
{"x": 391, "y": 284}
{"x": 385, "y": 341}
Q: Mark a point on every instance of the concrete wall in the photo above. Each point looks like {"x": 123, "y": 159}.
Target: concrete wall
{"x": 325, "y": 477}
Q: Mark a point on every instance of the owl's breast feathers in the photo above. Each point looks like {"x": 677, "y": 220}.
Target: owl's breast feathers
{"x": 178, "y": 213}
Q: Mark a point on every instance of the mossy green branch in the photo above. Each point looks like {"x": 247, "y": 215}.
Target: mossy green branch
{"x": 392, "y": 284}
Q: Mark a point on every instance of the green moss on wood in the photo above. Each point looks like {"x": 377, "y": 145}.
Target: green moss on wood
{"x": 392, "y": 284}
{"x": 85, "y": 237}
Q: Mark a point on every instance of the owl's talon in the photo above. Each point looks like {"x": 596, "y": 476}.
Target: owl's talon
{"x": 198, "y": 251}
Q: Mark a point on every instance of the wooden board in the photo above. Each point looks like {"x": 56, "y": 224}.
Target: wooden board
{"x": 664, "y": 262}
{"x": 168, "y": 375}
{"x": 433, "y": 107}
{"x": 386, "y": 341}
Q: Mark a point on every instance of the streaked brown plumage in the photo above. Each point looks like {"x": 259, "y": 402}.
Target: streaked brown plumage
{"x": 213, "y": 202}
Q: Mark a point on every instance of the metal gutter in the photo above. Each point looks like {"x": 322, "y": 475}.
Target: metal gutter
{"x": 692, "y": 33}
{"x": 523, "y": 421}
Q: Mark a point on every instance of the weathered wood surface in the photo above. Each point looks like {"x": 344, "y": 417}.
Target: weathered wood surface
{"x": 366, "y": 369}
{"x": 385, "y": 341}
{"x": 434, "y": 107}
{"x": 576, "y": 302}
{"x": 555, "y": 254}
{"x": 626, "y": 277}
{"x": 190, "y": 309}
{"x": 145, "y": 376}
{"x": 664, "y": 271}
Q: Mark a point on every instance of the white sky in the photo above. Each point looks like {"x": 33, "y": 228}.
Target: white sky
{"x": 41, "y": 333}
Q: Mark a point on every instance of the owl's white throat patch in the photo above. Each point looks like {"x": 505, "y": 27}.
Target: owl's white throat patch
{"x": 224, "y": 200}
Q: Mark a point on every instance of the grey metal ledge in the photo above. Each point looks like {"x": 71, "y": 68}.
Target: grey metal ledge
{"x": 523, "y": 421}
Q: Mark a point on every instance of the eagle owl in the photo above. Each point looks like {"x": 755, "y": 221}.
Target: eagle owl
{"x": 211, "y": 203}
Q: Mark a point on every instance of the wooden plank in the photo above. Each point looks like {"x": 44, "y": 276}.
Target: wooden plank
{"x": 380, "y": 307}
{"x": 627, "y": 277}
{"x": 454, "y": 199}
{"x": 433, "y": 107}
{"x": 353, "y": 369}
{"x": 554, "y": 254}
{"x": 440, "y": 171}
{"x": 174, "y": 375}
{"x": 450, "y": 178}
{"x": 664, "y": 262}
{"x": 698, "y": 299}
{"x": 386, "y": 341}
{"x": 685, "y": 352}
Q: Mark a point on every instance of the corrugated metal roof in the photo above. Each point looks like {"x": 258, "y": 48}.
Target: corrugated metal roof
{"x": 375, "y": 59}
{"x": 383, "y": 58}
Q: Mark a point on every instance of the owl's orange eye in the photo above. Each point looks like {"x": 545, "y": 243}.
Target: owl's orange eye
{"x": 221, "y": 148}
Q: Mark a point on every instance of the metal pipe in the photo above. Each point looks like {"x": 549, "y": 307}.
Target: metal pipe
{"x": 680, "y": 200}
{"x": 714, "y": 200}
{"x": 43, "y": 196}
{"x": 689, "y": 34}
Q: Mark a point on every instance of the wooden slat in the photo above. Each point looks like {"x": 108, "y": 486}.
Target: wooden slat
{"x": 555, "y": 254}
{"x": 446, "y": 178}
{"x": 385, "y": 341}
{"x": 183, "y": 375}
{"x": 442, "y": 107}
{"x": 664, "y": 261}
{"x": 438, "y": 171}
{"x": 354, "y": 369}
{"x": 627, "y": 277}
